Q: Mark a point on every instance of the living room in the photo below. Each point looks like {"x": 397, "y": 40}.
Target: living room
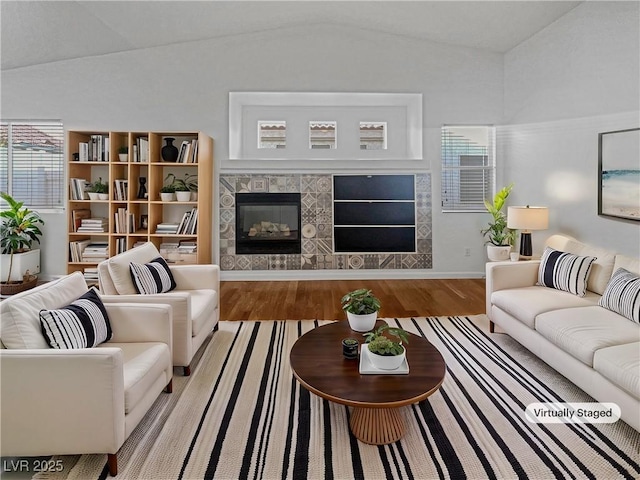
{"x": 105, "y": 66}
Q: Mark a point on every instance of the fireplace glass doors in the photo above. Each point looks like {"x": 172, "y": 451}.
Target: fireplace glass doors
{"x": 267, "y": 223}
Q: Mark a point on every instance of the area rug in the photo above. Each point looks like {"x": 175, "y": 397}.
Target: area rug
{"x": 242, "y": 415}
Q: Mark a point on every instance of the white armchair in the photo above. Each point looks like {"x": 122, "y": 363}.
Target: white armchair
{"x": 195, "y": 300}
{"x": 79, "y": 401}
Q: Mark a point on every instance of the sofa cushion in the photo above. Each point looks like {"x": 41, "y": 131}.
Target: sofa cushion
{"x": 152, "y": 277}
{"x": 620, "y": 365}
{"x": 82, "y": 324}
{"x": 118, "y": 266}
{"x": 564, "y": 271}
{"x": 203, "y": 306}
{"x": 143, "y": 363}
{"x": 622, "y": 295}
{"x": 527, "y": 303}
{"x": 19, "y": 314}
{"x": 582, "y": 331}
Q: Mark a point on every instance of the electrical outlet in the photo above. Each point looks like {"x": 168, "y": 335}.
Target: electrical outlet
{"x": 467, "y": 251}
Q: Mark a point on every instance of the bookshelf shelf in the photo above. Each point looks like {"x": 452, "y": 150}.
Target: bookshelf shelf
{"x": 127, "y": 218}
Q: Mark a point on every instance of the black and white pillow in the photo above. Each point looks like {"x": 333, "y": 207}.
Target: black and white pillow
{"x": 152, "y": 277}
{"x": 564, "y": 271}
{"x": 82, "y": 324}
{"x": 622, "y": 295}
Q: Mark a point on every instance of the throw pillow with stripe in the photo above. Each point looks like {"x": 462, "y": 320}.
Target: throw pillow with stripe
{"x": 82, "y": 324}
{"x": 622, "y": 295}
{"x": 564, "y": 271}
{"x": 152, "y": 277}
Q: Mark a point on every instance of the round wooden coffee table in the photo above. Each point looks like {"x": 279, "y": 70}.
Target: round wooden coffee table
{"x": 317, "y": 362}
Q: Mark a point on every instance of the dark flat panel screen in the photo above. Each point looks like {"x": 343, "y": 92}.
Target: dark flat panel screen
{"x": 375, "y": 239}
{"x": 375, "y": 213}
{"x": 373, "y": 187}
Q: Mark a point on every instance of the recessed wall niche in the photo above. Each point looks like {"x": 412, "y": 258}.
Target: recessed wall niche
{"x": 316, "y": 198}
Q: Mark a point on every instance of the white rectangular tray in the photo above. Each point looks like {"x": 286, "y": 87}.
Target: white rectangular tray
{"x": 367, "y": 368}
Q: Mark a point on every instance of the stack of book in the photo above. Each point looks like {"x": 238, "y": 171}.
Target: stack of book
{"x": 189, "y": 222}
{"x": 78, "y": 215}
{"x": 141, "y": 150}
{"x": 188, "y": 246}
{"x": 121, "y": 245}
{"x": 78, "y": 188}
{"x": 188, "y": 152}
{"x": 95, "y": 150}
{"x": 125, "y": 221}
{"x": 93, "y": 225}
{"x": 167, "y": 228}
{"x": 95, "y": 252}
{"x": 121, "y": 189}
{"x": 76, "y": 248}
{"x": 91, "y": 275}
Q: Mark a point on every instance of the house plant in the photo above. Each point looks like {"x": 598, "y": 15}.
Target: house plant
{"x": 386, "y": 353}
{"x": 350, "y": 348}
{"x": 362, "y": 308}
{"x": 99, "y": 190}
{"x": 19, "y": 229}
{"x": 499, "y": 237}
{"x": 189, "y": 183}
{"x": 167, "y": 193}
{"x": 123, "y": 154}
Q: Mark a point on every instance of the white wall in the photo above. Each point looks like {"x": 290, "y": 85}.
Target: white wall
{"x": 576, "y": 78}
{"x": 185, "y": 87}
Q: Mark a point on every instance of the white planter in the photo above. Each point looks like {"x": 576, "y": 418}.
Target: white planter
{"x": 362, "y": 323}
{"x": 386, "y": 362}
{"x": 103, "y": 196}
{"x": 21, "y": 263}
{"x": 123, "y": 157}
{"x": 93, "y": 195}
{"x": 498, "y": 254}
{"x": 167, "y": 197}
{"x": 183, "y": 196}
{"x": 194, "y": 196}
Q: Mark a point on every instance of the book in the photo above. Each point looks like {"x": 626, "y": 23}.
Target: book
{"x": 78, "y": 215}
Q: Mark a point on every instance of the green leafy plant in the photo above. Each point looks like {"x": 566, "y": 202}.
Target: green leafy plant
{"x": 189, "y": 183}
{"x": 381, "y": 344}
{"x": 124, "y": 150}
{"x": 99, "y": 187}
{"x": 19, "y": 228}
{"x": 497, "y": 232}
{"x": 360, "y": 302}
{"x": 168, "y": 189}
{"x": 350, "y": 341}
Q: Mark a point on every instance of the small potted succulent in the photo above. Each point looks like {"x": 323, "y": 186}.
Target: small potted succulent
{"x": 123, "y": 154}
{"x": 350, "y": 348}
{"x": 98, "y": 190}
{"x": 362, "y": 308}
{"x": 167, "y": 193}
{"x": 386, "y": 353}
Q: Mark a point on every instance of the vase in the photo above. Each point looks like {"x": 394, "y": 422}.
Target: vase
{"x": 169, "y": 152}
{"x": 362, "y": 323}
{"x": 183, "y": 196}
{"x": 386, "y": 362}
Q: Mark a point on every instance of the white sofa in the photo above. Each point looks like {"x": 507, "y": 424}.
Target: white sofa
{"x": 76, "y": 401}
{"x": 596, "y": 348}
{"x": 195, "y": 300}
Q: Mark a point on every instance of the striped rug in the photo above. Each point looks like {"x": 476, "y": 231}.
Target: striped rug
{"x": 242, "y": 415}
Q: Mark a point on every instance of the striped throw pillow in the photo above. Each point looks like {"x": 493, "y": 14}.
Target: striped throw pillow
{"x": 564, "y": 271}
{"x": 622, "y": 295}
{"x": 152, "y": 277}
{"x": 82, "y": 324}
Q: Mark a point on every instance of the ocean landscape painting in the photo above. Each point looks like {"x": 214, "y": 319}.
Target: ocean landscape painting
{"x": 619, "y": 181}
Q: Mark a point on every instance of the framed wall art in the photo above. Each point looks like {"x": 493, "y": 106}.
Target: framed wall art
{"x": 619, "y": 174}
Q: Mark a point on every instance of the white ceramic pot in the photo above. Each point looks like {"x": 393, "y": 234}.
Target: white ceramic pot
{"x": 183, "y": 196}
{"x": 29, "y": 260}
{"x": 167, "y": 197}
{"x": 498, "y": 254}
{"x": 93, "y": 195}
{"x": 194, "y": 196}
{"x": 103, "y": 196}
{"x": 123, "y": 157}
{"x": 362, "y": 323}
{"x": 384, "y": 362}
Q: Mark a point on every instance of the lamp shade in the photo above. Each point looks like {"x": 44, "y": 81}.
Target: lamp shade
{"x": 528, "y": 218}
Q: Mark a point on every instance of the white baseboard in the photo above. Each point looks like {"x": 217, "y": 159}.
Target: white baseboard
{"x": 274, "y": 275}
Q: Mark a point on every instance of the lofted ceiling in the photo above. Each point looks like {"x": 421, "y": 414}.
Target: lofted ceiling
{"x": 36, "y": 32}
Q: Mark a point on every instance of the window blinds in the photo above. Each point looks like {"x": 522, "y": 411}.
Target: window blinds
{"x": 468, "y": 167}
{"x": 32, "y": 162}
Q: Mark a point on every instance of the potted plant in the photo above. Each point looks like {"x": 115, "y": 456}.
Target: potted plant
{"x": 167, "y": 193}
{"x": 19, "y": 230}
{"x": 99, "y": 190}
{"x": 350, "y": 348}
{"x": 123, "y": 154}
{"x": 362, "y": 308}
{"x": 184, "y": 187}
{"x": 386, "y": 353}
{"x": 499, "y": 237}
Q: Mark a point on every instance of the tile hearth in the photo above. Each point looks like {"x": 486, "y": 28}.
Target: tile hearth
{"x": 317, "y": 224}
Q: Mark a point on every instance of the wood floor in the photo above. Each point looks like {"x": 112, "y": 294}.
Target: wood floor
{"x": 311, "y": 300}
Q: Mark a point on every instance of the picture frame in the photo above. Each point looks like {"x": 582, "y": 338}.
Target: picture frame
{"x": 619, "y": 174}
{"x": 144, "y": 222}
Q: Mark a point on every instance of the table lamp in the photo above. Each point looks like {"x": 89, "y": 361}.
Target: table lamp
{"x": 527, "y": 219}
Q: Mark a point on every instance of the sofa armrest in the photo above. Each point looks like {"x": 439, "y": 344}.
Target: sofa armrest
{"x": 196, "y": 277}
{"x": 504, "y": 275}
{"x": 140, "y": 322}
{"x": 56, "y": 396}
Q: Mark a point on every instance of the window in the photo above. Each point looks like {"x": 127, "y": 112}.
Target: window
{"x": 32, "y": 162}
{"x": 272, "y": 134}
{"x": 322, "y": 135}
{"x": 373, "y": 135}
{"x": 468, "y": 167}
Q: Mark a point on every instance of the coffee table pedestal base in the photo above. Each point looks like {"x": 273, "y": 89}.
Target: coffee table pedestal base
{"x": 377, "y": 426}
